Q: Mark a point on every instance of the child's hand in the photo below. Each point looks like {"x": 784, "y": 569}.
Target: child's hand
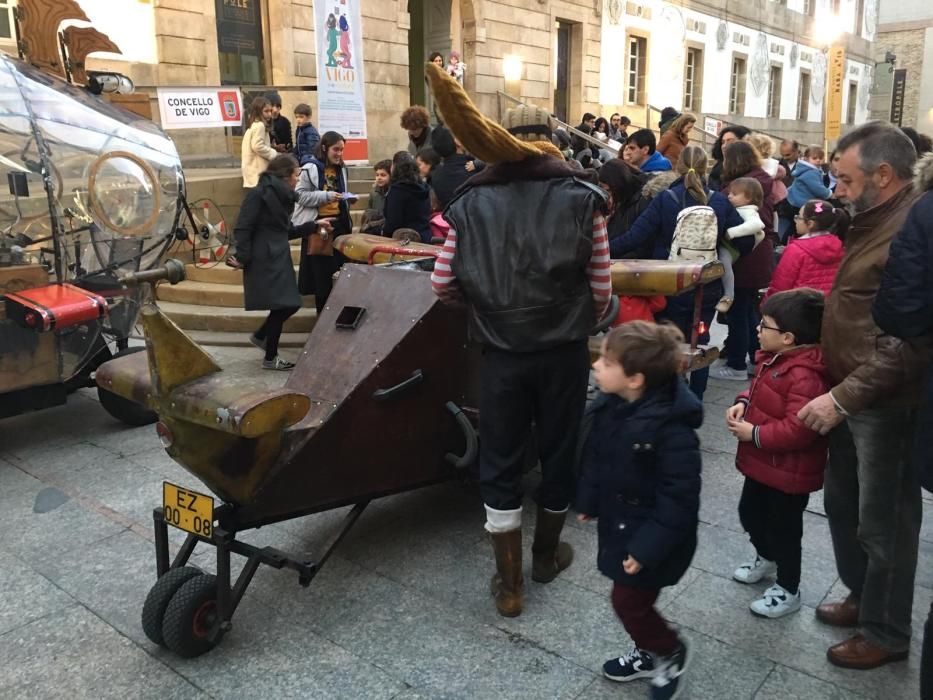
{"x": 631, "y": 566}
{"x": 736, "y": 412}
{"x": 743, "y": 431}
{"x": 470, "y": 166}
{"x": 584, "y": 518}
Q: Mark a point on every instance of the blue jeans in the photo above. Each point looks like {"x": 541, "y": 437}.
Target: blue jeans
{"x": 872, "y": 497}
{"x": 743, "y": 328}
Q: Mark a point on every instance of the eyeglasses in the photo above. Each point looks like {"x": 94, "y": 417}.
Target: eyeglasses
{"x": 763, "y": 327}
{"x": 797, "y": 217}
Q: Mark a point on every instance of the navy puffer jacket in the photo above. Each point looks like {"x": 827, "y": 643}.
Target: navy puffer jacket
{"x": 641, "y": 479}
{"x": 904, "y": 303}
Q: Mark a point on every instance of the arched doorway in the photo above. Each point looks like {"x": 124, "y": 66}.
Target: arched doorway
{"x": 439, "y": 25}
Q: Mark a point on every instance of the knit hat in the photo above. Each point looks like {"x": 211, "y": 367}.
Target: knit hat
{"x": 528, "y": 123}
{"x": 669, "y": 113}
{"x": 483, "y": 137}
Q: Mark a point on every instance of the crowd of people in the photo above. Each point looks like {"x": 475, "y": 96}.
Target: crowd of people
{"x": 834, "y": 334}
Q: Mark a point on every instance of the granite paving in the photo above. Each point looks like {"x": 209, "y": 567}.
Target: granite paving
{"x": 401, "y": 611}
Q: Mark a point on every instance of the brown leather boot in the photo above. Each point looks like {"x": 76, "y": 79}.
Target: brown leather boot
{"x": 860, "y": 654}
{"x": 508, "y": 583}
{"x": 549, "y": 556}
{"x": 842, "y": 613}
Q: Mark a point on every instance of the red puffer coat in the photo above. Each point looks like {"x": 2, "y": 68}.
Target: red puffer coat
{"x": 784, "y": 454}
{"x": 811, "y": 261}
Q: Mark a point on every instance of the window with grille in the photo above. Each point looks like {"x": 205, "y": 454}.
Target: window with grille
{"x": 852, "y": 102}
{"x": 774, "y": 92}
{"x": 6, "y": 19}
{"x": 635, "y": 75}
{"x": 693, "y": 79}
{"x": 737, "y": 86}
{"x": 809, "y": 7}
{"x": 803, "y": 97}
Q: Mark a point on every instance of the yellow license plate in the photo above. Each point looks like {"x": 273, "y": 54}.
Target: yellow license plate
{"x": 188, "y": 510}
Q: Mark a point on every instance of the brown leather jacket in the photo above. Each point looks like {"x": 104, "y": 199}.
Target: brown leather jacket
{"x": 868, "y": 368}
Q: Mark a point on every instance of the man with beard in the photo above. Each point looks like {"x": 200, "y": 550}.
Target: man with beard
{"x": 872, "y": 489}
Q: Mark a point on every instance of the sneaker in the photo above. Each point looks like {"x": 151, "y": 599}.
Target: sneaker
{"x": 258, "y": 342}
{"x": 727, "y": 372}
{"x": 278, "y": 364}
{"x": 635, "y": 664}
{"x": 666, "y": 683}
{"x": 754, "y": 571}
{"x": 776, "y": 602}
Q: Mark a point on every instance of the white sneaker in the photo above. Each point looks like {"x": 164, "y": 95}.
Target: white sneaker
{"x": 726, "y": 372}
{"x": 776, "y": 602}
{"x": 754, "y": 571}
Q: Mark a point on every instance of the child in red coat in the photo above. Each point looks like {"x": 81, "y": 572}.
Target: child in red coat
{"x": 813, "y": 255}
{"x": 782, "y": 459}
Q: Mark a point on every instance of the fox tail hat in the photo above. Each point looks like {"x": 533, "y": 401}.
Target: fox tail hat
{"x": 526, "y": 132}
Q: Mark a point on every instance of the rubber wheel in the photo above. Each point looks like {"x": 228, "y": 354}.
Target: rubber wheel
{"x": 122, "y": 409}
{"x": 190, "y": 617}
{"x": 158, "y": 599}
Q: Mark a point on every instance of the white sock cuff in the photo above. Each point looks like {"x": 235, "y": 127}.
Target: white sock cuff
{"x": 503, "y": 520}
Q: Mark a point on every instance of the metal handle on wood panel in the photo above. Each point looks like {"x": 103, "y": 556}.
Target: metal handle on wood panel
{"x": 385, "y": 394}
{"x": 472, "y": 443}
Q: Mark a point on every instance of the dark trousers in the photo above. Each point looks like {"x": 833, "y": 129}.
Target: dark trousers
{"x": 271, "y": 329}
{"x": 926, "y": 660}
{"x": 872, "y": 498}
{"x": 679, "y": 311}
{"x": 547, "y": 388}
{"x": 323, "y": 268}
{"x": 774, "y": 523}
{"x": 646, "y": 627}
{"x": 743, "y": 328}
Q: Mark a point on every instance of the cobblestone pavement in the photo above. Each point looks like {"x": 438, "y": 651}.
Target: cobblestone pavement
{"x": 400, "y": 611}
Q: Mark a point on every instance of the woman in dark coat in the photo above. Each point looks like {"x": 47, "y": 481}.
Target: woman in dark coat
{"x": 262, "y": 232}
{"x": 654, "y": 230}
{"x": 752, "y": 270}
{"x": 624, "y": 184}
{"x": 728, "y": 136}
{"x": 408, "y": 201}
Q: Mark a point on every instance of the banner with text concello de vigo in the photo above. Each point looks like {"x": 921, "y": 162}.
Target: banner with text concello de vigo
{"x": 341, "y": 87}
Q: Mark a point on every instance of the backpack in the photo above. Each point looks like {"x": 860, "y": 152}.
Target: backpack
{"x": 696, "y": 233}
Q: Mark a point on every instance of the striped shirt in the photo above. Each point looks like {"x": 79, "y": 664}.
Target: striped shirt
{"x": 597, "y": 268}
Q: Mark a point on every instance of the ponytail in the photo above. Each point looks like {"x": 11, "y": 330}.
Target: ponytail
{"x": 827, "y": 217}
{"x": 692, "y": 165}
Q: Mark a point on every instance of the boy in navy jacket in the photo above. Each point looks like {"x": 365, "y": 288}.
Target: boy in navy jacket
{"x": 642, "y": 481}
{"x": 307, "y": 137}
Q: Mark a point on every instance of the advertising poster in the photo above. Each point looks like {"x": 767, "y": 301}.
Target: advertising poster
{"x": 837, "y": 73}
{"x": 341, "y": 85}
{"x": 200, "y": 108}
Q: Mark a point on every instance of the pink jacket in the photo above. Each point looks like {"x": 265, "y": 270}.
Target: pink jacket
{"x": 808, "y": 261}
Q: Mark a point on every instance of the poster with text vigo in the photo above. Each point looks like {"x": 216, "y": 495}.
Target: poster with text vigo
{"x": 341, "y": 86}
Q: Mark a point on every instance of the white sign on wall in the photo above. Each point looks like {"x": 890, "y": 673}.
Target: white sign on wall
{"x": 200, "y": 108}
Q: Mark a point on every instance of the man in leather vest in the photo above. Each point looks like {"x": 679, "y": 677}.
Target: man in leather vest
{"x": 528, "y": 250}
{"x": 872, "y": 488}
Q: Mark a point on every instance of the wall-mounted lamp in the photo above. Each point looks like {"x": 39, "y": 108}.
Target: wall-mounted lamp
{"x": 512, "y": 67}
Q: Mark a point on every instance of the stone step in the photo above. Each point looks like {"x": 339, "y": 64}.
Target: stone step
{"x": 208, "y": 294}
{"x": 241, "y": 340}
{"x": 191, "y": 317}
{"x": 218, "y": 274}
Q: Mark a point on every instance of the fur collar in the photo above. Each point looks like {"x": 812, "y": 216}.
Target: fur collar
{"x": 543, "y": 167}
{"x": 923, "y": 171}
{"x": 658, "y": 182}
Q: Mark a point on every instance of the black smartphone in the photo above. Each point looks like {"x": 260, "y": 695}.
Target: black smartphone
{"x": 349, "y": 317}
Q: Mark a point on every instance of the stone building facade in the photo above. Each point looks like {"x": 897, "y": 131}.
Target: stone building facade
{"x": 760, "y": 64}
{"x": 903, "y": 90}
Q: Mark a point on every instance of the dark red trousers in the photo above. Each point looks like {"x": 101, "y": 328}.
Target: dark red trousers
{"x": 649, "y": 631}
